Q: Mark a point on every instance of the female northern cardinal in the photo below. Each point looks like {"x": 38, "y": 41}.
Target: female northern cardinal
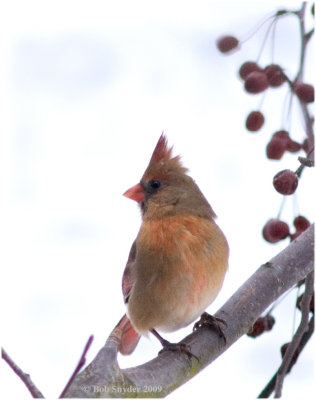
{"x": 178, "y": 261}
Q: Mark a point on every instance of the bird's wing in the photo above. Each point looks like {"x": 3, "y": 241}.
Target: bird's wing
{"x": 127, "y": 281}
{"x": 130, "y": 337}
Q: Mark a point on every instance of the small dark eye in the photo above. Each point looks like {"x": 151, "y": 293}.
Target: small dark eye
{"x": 154, "y": 184}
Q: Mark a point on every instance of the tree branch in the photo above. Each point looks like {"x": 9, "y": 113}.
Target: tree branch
{"x": 25, "y": 378}
{"x": 160, "y": 376}
{"x": 301, "y": 17}
{"x": 303, "y": 327}
{"x": 269, "y": 388}
{"x": 306, "y": 115}
{"x": 80, "y": 364}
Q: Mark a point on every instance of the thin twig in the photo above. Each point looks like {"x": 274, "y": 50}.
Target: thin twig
{"x": 303, "y": 327}
{"x": 269, "y": 388}
{"x": 25, "y": 378}
{"x": 80, "y": 364}
{"x": 308, "y": 127}
{"x": 304, "y": 41}
{"x": 306, "y": 161}
{"x": 301, "y": 15}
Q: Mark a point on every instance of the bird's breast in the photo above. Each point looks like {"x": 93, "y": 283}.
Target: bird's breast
{"x": 182, "y": 250}
{"x": 173, "y": 234}
{"x": 180, "y": 266}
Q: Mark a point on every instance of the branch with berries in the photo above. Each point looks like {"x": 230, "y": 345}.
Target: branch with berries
{"x": 256, "y": 80}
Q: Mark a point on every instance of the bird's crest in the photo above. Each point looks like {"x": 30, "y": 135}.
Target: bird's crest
{"x": 162, "y": 152}
{"x": 162, "y": 161}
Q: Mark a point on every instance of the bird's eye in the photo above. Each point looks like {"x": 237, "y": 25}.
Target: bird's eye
{"x": 154, "y": 184}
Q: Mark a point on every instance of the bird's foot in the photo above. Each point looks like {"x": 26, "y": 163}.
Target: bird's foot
{"x": 179, "y": 348}
{"x": 176, "y": 347}
{"x": 211, "y": 322}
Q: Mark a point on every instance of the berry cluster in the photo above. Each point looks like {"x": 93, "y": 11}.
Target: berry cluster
{"x": 258, "y": 79}
{"x": 276, "y": 230}
{"x": 281, "y": 142}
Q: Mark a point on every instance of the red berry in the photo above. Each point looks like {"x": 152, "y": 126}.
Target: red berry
{"x": 261, "y": 325}
{"x": 275, "y": 75}
{"x": 275, "y": 148}
{"x": 248, "y": 67}
{"x": 285, "y": 182}
{"x": 275, "y": 230}
{"x": 256, "y": 82}
{"x": 293, "y": 146}
{"x": 295, "y": 355}
{"x": 227, "y": 43}
{"x": 304, "y": 92}
{"x": 301, "y": 223}
{"x": 279, "y": 143}
{"x": 311, "y": 305}
{"x": 284, "y": 135}
{"x": 284, "y": 348}
{"x": 254, "y": 121}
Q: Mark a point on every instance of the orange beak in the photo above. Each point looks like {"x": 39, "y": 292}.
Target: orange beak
{"x": 135, "y": 193}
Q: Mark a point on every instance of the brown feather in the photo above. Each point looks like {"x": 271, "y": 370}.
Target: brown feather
{"x": 129, "y": 338}
{"x": 127, "y": 281}
{"x": 161, "y": 151}
{"x": 162, "y": 163}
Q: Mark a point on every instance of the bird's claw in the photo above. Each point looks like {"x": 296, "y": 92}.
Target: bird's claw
{"x": 211, "y": 322}
{"x": 178, "y": 347}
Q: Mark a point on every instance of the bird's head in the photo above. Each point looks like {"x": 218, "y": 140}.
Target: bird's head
{"x": 166, "y": 189}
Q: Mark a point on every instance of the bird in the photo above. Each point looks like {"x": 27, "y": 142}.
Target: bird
{"x": 178, "y": 261}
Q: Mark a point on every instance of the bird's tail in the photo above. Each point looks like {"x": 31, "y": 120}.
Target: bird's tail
{"x": 129, "y": 338}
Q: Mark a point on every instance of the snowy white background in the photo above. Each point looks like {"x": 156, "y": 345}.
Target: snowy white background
{"x": 86, "y": 90}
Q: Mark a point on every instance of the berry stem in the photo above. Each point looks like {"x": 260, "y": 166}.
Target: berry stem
{"x": 304, "y": 41}
{"x": 286, "y": 110}
{"x": 299, "y": 170}
{"x": 281, "y": 207}
{"x": 295, "y": 205}
{"x": 265, "y": 38}
{"x": 254, "y": 31}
